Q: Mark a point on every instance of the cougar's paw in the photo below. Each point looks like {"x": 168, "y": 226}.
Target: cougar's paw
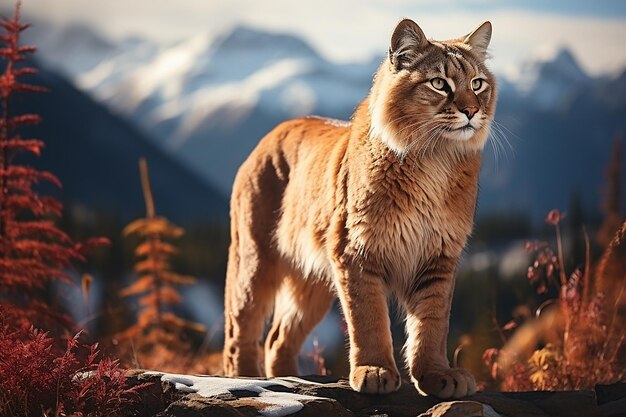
{"x": 446, "y": 383}
{"x": 374, "y": 379}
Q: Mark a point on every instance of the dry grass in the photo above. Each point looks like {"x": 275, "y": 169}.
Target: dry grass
{"x": 575, "y": 339}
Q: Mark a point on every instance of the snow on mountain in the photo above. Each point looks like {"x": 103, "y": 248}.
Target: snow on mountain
{"x": 76, "y": 50}
{"x": 186, "y": 89}
{"x": 129, "y": 82}
{"x": 72, "y": 50}
{"x": 94, "y": 153}
{"x": 233, "y": 101}
{"x": 113, "y": 67}
{"x": 193, "y": 64}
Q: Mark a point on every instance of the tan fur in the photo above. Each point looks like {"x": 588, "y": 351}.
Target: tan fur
{"x": 376, "y": 207}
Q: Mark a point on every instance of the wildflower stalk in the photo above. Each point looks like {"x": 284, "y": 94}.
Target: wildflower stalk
{"x": 586, "y": 273}
{"x": 613, "y": 317}
{"x": 582, "y": 342}
{"x": 559, "y": 246}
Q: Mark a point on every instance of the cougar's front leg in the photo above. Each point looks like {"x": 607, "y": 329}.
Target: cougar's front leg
{"x": 363, "y": 299}
{"x": 427, "y": 302}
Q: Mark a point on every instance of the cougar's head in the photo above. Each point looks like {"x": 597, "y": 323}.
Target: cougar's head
{"x": 431, "y": 93}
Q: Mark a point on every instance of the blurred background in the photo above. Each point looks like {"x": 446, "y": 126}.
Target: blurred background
{"x": 193, "y": 85}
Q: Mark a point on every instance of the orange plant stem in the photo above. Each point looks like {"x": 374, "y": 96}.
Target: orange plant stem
{"x": 147, "y": 189}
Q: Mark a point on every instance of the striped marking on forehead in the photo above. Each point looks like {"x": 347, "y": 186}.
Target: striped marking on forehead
{"x": 452, "y": 52}
{"x": 447, "y": 59}
{"x": 455, "y": 56}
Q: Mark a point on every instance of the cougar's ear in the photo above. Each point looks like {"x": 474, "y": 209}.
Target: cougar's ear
{"x": 479, "y": 39}
{"x": 407, "y": 43}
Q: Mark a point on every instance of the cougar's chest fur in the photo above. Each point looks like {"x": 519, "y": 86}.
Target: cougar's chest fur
{"x": 411, "y": 212}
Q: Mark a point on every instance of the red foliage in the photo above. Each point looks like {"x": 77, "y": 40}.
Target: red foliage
{"x": 554, "y": 217}
{"x": 33, "y": 251}
{"x": 541, "y": 272}
{"x": 39, "y": 378}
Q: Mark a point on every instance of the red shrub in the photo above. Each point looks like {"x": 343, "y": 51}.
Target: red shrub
{"x": 38, "y": 377}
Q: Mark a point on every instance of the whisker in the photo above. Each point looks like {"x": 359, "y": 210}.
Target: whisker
{"x": 429, "y": 129}
{"x": 417, "y": 154}
{"x": 495, "y": 150}
{"x": 506, "y": 128}
{"x": 411, "y": 115}
{"x": 416, "y": 140}
{"x": 500, "y": 137}
{"x": 418, "y": 124}
{"x": 431, "y": 139}
{"x": 432, "y": 149}
{"x": 500, "y": 128}
{"x": 425, "y": 142}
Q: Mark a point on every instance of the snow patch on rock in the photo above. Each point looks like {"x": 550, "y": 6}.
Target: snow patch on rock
{"x": 279, "y": 404}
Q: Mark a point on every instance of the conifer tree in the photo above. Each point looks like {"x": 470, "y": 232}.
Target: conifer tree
{"x": 156, "y": 282}
{"x": 34, "y": 252}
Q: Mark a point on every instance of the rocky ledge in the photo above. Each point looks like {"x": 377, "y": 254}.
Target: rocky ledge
{"x": 173, "y": 395}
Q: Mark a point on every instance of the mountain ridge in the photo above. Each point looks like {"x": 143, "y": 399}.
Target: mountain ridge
{"x": 95, "y": 154}
{"x": 237, "y": 86}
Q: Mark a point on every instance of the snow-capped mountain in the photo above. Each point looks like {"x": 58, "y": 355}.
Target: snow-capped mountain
{"x": 208, "y": 101}
{"x": 551, "y": 78}
{"x": 188, "y": 83}
{"x": 95, "y": 154}
{"x": 72, "y": 50}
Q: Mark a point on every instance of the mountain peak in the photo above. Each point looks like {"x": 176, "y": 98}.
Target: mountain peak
{"x": 564, "y": 64}
{"x": 243, "y": 37}
{"x": 550, "y": 66}
{"x": 72, "y": 49}
{"x": 564, "y": 55}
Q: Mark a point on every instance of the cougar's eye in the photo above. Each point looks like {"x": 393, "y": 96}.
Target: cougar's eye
{"x": 438, "y": 83}
{"x": 477, "y": 84}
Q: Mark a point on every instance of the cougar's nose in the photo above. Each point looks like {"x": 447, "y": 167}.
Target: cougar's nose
{"x": 470, "y": 111}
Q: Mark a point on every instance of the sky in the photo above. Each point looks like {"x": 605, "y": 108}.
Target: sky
{"x": 355, "y": 30}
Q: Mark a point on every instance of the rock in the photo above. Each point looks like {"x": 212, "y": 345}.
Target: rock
{"x": 507, "y": 404}
{"x": 173, "y": 395}
{"x": 460, "y": 409}
{"x": 564, "y": 403}
{"x": 608, "y": 393}
{"x": 197, "y": 405}
{"x": 613, "y": 409}
{"x": 541, "y": 403}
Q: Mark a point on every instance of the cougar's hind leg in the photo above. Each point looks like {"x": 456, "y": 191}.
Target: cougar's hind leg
{"x": 300, "y": 306}
{"x": 251, "y": 284}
